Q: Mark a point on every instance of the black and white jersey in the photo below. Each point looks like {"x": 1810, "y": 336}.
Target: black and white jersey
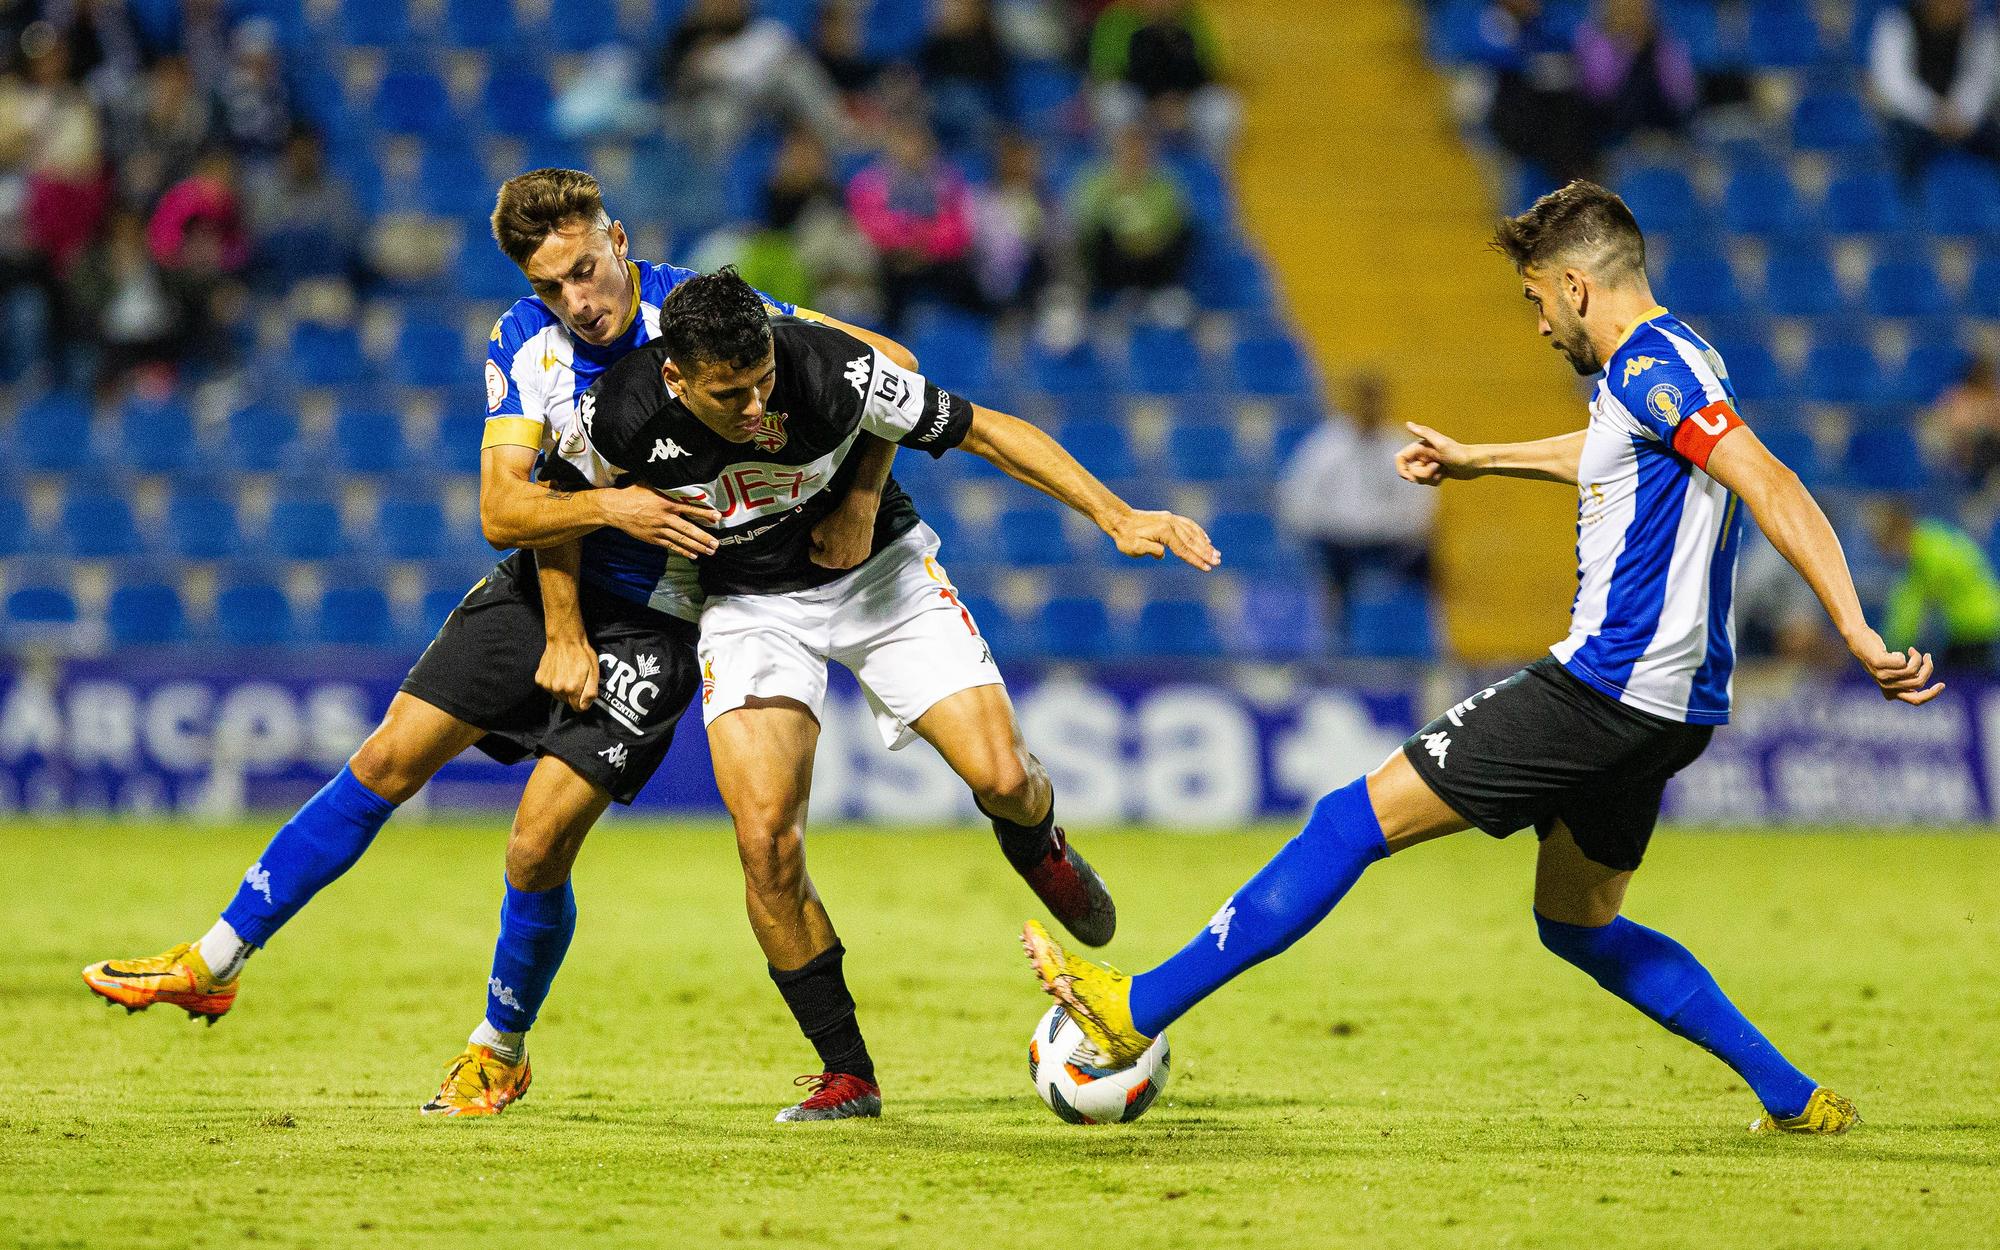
{"x": 830, "y": 389}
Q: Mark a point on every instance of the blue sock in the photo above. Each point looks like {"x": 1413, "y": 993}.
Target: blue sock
{"x": 1657, "y": 975}
{"x": 313, "y": 848}
{"x": 535, "y": 929}
{"x": 1275, "y": 908}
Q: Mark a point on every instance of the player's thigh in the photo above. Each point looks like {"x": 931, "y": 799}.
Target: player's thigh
{"x": 1408, "y": 809}
{"x": 1573, "y": 888}
{"x": 757, "y": 649}
{"x": 413, "y": 741}
{"x": 558, "y": 809}
{"x": 977, "y": 733}
{"x": 913, "y": 646}
{"x": 763, "y": 757}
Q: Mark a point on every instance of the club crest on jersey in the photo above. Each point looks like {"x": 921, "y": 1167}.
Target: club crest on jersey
{"x": 496, "y": 387}
{"x": 1636, "y": 366}
{"x": 770, "y": 435}
{"x": 1664, "y": 400}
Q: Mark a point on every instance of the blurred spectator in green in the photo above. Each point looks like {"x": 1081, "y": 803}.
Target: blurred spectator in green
{"x": 1134, "y": 227}
{"x": 1943, "y": 573}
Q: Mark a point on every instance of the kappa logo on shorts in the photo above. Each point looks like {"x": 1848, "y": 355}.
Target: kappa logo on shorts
{"x": 1437, "y": 744}
{"x": 615, "y": 755}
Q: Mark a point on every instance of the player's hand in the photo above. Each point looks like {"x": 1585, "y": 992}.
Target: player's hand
{"x": 1433, "y": 458}
{"x": 569, "y": 671}
{"x": 655, "y": 517}
{"x": 845, "y": 536}
{"x": 1156, "y": 533}
{"x": 1904, "y": 676}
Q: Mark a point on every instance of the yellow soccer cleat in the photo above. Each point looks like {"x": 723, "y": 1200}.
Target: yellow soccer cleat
{"x": 1826, "y": 1113}
{"x": 178, "y": 978}
{"x": 1098, "y": 996}
{"x": 480, "y": 1083}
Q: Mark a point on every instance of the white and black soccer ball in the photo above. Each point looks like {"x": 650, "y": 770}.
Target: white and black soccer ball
{"x": 1080, "y": 1092}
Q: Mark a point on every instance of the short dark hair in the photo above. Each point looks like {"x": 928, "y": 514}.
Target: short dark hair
{"x": 1579, "y": 218}
{"x": 534, "y": 205}
{"x": 715, "y": 318}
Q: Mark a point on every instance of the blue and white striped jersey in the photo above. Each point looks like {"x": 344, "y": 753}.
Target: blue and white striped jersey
{"x": 535, "y": 372}
{"x": 1657, "y": 537}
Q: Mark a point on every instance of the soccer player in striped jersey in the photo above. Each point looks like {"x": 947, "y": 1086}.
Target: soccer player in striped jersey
{"x": 577, "y": 649}
{"x": 1580, "y": 744}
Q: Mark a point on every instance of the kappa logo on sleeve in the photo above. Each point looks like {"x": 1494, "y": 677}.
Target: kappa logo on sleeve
{"x": 665, "y": 449}
{"x": 859, "y": 370}
{"x": 1636, "y": 366}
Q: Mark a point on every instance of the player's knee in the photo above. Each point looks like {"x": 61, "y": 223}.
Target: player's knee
{"x": 1012, "y": 785}
{"x": 1578, "y": 944}
{"x": 386, "y": 768}
{"x": 537, "y": 862}
{"x": 773, "y": 856}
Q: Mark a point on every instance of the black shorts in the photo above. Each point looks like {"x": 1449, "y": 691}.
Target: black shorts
{"x": 1543, "y": 747}
{"x": 481, "y": 669}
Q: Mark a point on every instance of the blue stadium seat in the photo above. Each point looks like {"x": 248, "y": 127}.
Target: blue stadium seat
{"x": 201, "y": 526}
{"x": 1038, "y": 94}
{"x": 1206, "y": 452}
{"x": 16, "y": 535}
{"x": 1272, "y": 366}
{"x": 254, "y": 614}
{"x": 155, "y": 435}
{"x": 98, "y": 525}
{"x": 480, "y": 24}
{"x": 1886, "y": 457}
{"x": 303, "y": 528}
{"x": 451, "y": 182}
{"x": 1032, "y": 537}
{"x": 355, "y": 616}
{"x": 517, "y": 100}
{"x": 486, "y": 275}
{"x": 259, "y": 434}
{"x": 374, "y": 23}
{"x": 52, "y": 433}
{"x": 1181, "y": 628}
{"x": 437, "y": 604}
{"x": 1865, "y": 201}
{"x": 1663, "y": 199}
{"x": 1841, "y": 370}
{"x": 145, "y": 614}
{"x": 955, "y": 351}
{"x": 1906, "y": 286}
{"x": 410, "y": 529}
{"x": 1961, "y": 198}
{"x": 458, "y": 437}
{"x": 1701, "y": 285}
{"x": 38, "y": 610}
{"x": 1800, "y": 282}
{"x": 580, "y": 25}
{"x": 1162, "y": 361}
{"x": 1753, "y": 371}
{"x": 1226, "y": 276}
{"x": 1100, "y": 446}
{"x": 370, "y": 441}
{"x": 1929, "y": 369}
{"x": 415, "y": 102}
{"x": 1982, "y": 294}
{"x": 1077, "y": 372}
{"x": 1392, "y": 623}
{"x": 1697, "y": 24}
{"x": 1285, "y": 618}
{"x": 1762, "y": 200}
{"x": 1834, "y": 121}
{"x": 1075, "y": 627}
{"x": 323, "y": 355}
{"x": 1249, "y": 542}
{"x": 1782, "y": 34}
{"x": 431, "y": 353}
{"x": 997, "y": 625}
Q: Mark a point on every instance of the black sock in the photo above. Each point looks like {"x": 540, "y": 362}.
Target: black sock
{"x": 1025, "y": 845}
{"x": 818, "y": 997}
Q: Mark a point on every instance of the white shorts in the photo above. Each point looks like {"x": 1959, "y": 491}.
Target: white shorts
{"x": 895, "y": 622}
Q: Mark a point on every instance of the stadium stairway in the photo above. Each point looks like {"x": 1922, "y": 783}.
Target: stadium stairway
{"x": 1375, "y": 219}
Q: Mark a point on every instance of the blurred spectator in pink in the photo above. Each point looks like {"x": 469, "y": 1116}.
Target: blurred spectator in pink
{"x": 1962, "y": 430}
{"x": 917, "y": 211}
{"x": 199, "y": 221}
{"x": 1159, "y": 61}
{"x": 1134, "y": 228}
{"x": 965, "y": 68}
{"x": 1935, "y": 68}
{"x": 1633, "y": 75}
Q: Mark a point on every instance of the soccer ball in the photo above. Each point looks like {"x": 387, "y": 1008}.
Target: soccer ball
{"x": 1080, "y": 1093}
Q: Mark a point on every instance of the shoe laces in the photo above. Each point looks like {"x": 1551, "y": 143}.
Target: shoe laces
{"x": 828, "y": 1088}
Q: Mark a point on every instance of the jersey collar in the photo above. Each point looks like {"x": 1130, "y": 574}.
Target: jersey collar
{"x": 1644, "y": 317}
{"x": 632, "y": 313}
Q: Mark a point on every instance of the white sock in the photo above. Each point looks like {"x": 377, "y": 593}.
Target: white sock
{"x": 509, "y": 1046}
{"x": 224, "y": 952}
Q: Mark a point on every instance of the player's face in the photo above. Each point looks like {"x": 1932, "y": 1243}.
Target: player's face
{"x": 1559, "y": 322}
{"x": 579, "y": 271}
{"x": 725, "y": 398}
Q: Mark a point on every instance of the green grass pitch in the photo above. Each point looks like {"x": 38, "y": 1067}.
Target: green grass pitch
{"x": 1417, "y": 1072}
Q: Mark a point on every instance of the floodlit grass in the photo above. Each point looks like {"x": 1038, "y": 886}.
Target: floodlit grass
{"x": 1417, "y": 1072}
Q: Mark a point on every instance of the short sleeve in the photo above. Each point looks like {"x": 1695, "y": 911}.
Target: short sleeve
{"x": 513, "y": 419}
{"x": 907, "y": 408}
{"x": 1680, "y": 403}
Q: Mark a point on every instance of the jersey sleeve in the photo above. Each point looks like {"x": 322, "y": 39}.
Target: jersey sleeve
{"x": 617, "y": 406}
{"x": 1678, "y": 402}
{"x": 515, "y": 415}
{"x": 908, "y": 408}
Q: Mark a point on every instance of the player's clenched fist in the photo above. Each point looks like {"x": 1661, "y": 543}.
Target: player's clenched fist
{"x": 1156, "y": 533}
{"x": 654, "y": 517}
{"x": 1432, "y": 458}
{"x": 569, "y": 671}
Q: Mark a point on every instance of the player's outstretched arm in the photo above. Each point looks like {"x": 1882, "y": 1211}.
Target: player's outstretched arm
{"x": 569, "y": 663}
{"x": 1435, "y": 458}
{"x": 517, "y": 511}
{"x": 1792, "y": 520}
{"x": 898, "y": 354}
{"x": 1027, "y": 454}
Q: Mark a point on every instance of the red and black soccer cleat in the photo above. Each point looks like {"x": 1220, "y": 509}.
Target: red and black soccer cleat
{"x": 1073, "y": 892}
{"x": 835, "y": 1096}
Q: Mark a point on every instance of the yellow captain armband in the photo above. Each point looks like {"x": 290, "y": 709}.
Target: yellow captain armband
{"x": 512, "y": 432}
{"x": 806, "y": 314}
